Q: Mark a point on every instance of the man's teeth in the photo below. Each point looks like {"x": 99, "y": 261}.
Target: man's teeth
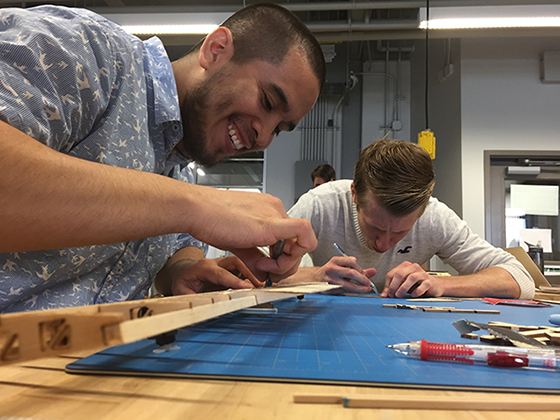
{"x": 233, "y": 136}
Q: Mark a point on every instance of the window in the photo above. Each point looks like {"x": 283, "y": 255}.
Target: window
{"x": 521, "y": 192}
{"x": 243, "y": 172}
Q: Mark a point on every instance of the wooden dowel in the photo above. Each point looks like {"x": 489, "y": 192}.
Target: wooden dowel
{"x": 414, "y": 402}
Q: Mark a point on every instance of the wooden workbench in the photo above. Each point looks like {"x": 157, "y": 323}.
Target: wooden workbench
{"x": 42, "y": 390}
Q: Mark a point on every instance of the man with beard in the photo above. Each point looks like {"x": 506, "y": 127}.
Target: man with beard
{"x": 96, "y": 131}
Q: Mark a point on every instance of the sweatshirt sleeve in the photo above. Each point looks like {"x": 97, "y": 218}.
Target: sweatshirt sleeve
{"x": 468, "y": 253}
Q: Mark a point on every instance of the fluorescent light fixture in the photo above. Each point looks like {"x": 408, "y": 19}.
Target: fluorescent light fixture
{"x": 168, "y": 23}
{"x": 536, "y": 16}
{"x": 523, "y": 170}
{"x": 200, "y": 172}
{"x": 169, "y": 29}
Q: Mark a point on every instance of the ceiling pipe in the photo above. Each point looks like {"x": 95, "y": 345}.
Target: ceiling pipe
{"x": 305, "y": 7}
{"x": 350, "y": 26}
{"x": 294, "y": 7}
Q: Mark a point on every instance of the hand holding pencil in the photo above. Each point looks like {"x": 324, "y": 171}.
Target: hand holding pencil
{"x": 346, "y": 272}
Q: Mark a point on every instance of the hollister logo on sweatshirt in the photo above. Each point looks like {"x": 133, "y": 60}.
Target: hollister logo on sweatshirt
{"x": 405, "y": 250}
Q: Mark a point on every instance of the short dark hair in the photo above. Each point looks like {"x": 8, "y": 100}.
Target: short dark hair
{"x": 268, "y": 32}
{"x": 325, "y": 171}
{"x": 400, "y": 174}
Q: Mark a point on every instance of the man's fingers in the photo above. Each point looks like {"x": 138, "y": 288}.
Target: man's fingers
{"x": 232, "y": 263}
{"x": 229, "y": 281}
{"x": 301, "y": 235}
{"x": 352, "y": 287}
{"x": 351, "y": 279}
{"x": 396, "y": 279}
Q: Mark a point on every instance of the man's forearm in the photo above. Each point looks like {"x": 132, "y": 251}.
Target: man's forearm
{"x": 490, "y": 282}
{"x": 52, "y": 200}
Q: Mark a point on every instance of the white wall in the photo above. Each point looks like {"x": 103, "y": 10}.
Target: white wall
{"x": 285, "y": 150}
{"x": 504, "y": 107}
{"x": 373, "y": 105}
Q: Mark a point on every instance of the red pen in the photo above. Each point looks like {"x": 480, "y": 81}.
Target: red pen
{"x": 500, "y": 356}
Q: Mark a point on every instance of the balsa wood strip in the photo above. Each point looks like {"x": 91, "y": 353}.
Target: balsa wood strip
{"x": 426, "y": 402}
{"x": 138, "y": 329}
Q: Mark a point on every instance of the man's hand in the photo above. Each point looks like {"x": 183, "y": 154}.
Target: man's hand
{"x": 260, "y": 264}
{"x": 344, "y": 271}
{"x": 406, "y": 276}
{"x": 188, "y": 276}
{"x": 235, "y": 220}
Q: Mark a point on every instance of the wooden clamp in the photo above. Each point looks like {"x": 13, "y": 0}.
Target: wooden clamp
{"x": 36, "y": 334}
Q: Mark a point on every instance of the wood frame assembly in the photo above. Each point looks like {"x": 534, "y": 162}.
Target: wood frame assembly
{"x": 32, "y": 335}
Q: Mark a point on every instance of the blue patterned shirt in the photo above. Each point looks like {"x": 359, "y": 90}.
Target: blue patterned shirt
{"x": 81, "y": 85}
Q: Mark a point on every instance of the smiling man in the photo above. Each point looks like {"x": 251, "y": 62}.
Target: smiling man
{"x": 387, "y": 221}
{"x": 96, "y": 130}
{"x": 245, "y": 86}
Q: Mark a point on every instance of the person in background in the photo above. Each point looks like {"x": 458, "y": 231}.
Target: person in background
{"x": 97, "y": 128}
{"x": 388, "y": 223}
{"x": 322, "y": 174}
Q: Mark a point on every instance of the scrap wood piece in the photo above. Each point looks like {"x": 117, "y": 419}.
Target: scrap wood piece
{"x": 438, "y": 299}
{"x": 545, "y": 340}
{"x": 492, "y": 339}
{"x": 504, "y": 325}
{"x": 429, "y": 402}
{"x": 534, "y": 333}
{"x": 549, "y": 289}
{"x": 516, "y": 302}
{"x": 440, "y": 308}
{"x": 513, "y": 337}
{"x": 552, "y": 336}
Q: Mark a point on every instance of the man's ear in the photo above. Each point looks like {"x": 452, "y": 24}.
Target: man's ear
{"x": 353, "y": 193}
{"x": 217, "y": 48}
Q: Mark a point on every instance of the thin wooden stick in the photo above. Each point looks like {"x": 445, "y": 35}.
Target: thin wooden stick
{"x": 424, "y": 402}
{"x": 130, "y": 331}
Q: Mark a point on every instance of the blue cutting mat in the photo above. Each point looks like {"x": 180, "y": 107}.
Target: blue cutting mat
{"x": 328, "y": 339}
